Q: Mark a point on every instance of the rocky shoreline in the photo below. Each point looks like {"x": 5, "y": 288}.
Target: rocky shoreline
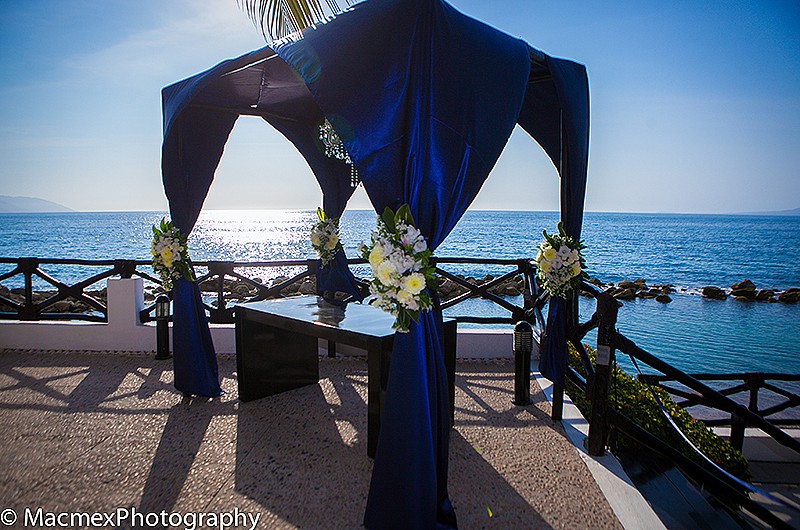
{"x": 743, "y": 291}
{"x": 746, "y": 291}
{"x": 448, "y": 289}
{"x": 238, "y": 290}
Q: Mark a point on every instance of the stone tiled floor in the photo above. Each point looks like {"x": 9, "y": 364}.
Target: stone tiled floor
{"x": 88, "y": 432}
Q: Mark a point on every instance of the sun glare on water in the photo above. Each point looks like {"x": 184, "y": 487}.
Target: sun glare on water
{"x": 252, "y": 235}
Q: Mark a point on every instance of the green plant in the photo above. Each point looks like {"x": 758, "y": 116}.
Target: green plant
{"x": 632, "y": 398}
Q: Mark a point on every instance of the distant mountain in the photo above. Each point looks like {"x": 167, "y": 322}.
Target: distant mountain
{"x": 796, "y": 211}
{"x": 29, "y": 204}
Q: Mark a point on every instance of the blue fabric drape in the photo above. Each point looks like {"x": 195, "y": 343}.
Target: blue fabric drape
{"x": 337, "y": 276}
{"x": 199, "y": 115}
{"x": 443, "y": 93}
{"x": 194, "y": 359}
{"x": 564, "y": 134}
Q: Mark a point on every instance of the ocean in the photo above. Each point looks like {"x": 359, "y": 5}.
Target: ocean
{"x": 688, "y": 251}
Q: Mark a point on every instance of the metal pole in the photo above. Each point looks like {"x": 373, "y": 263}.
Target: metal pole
{"x": 162, "y": 328}
{"x": 557, "y": 407}
{"x": 523, "y": 346}
{"x": 598, "y": 391}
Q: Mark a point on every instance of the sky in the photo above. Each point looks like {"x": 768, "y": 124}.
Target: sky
{"x": 695, "y": 106}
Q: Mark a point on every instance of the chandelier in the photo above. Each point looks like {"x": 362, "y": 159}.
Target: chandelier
{"x": 334, "y": 148}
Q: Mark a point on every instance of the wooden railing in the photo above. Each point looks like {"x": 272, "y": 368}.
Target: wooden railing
{"x": 218, "y": 279}
{"x": 24, "y": 306}
{"x": 752, "y": 384}
{"x": 725, "y": 487}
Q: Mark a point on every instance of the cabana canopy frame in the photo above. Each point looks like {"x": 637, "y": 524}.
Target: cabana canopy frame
{"x": 424, "y": 99}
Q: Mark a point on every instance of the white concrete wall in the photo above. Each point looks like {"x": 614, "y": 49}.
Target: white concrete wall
{"x": 124, "y": 332}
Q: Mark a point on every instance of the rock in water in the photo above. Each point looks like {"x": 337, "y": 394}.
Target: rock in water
{"x": 764, "y": 295}
{"x": 745, "y": 285}
{"x": 714, "y": 293}
{"x": 663, "y": 298}
{"x": 790, "y": 296}
{"x": 625, "y": 294}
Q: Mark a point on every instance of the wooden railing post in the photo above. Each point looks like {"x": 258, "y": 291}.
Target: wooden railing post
{"x": 28, "y": 266}
{"x": 598, "y": 392}
{"x": 754, "y": 382}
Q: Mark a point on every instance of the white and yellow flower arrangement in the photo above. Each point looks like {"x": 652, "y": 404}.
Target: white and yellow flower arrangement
{"x": 560, "y": 263}
{"x": 325, "y": 237}
{"x": 170, "y": 254}
{"x": 399, "y": 257}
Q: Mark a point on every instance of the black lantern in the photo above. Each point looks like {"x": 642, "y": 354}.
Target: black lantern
{"x": 523, "y": 346}
{"x": 162, "y": 327}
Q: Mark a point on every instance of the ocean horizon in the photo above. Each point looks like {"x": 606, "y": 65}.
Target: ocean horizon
{"x": 67, "y": 210}
{"x": 689, "y": 251}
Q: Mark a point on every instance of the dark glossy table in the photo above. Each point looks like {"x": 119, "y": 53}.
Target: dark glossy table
{"x": 277, "y": 348}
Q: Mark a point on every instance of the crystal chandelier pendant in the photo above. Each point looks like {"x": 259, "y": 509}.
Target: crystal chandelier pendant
{"x": 334, "y": 148}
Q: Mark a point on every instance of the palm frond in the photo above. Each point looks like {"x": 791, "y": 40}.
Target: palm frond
{"x": 280, "y": 18}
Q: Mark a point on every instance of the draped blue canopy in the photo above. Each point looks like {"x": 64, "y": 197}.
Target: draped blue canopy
{"x": 424, "y": 99}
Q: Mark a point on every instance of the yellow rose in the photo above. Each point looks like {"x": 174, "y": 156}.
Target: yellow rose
{"x": 376, "y": 256}
{"x": 407, "y": 300}
{"x": 331, "y": 244}
{"x": 386, "y": 273}
{"x": 545, "y": 266}
{"x": 549, "y": 253}
{"x": 414, "y": 283}
{"x": 167, "y": 257}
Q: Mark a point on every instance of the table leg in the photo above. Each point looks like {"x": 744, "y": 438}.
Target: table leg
{"x": 375, "y": 376}
{"x": 450, "y": 340}
{"x": 271, "y": 360}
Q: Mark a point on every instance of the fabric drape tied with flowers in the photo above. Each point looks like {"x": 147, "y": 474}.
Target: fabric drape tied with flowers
{"x": 194, "y": 360}
{"x": 325, "y": 237}
{"x": 418, "y": 147}
{"x": 170, "y": 253}
{"x": 333, "y": 272}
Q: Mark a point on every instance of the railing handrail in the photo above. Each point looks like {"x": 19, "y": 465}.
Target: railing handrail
{"x": 218, "y": 270}
{"x": 714, "y": 397}
{"x": 294, "y": 262}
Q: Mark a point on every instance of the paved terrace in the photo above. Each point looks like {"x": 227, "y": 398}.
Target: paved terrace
{"x": 92, "y": 432}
